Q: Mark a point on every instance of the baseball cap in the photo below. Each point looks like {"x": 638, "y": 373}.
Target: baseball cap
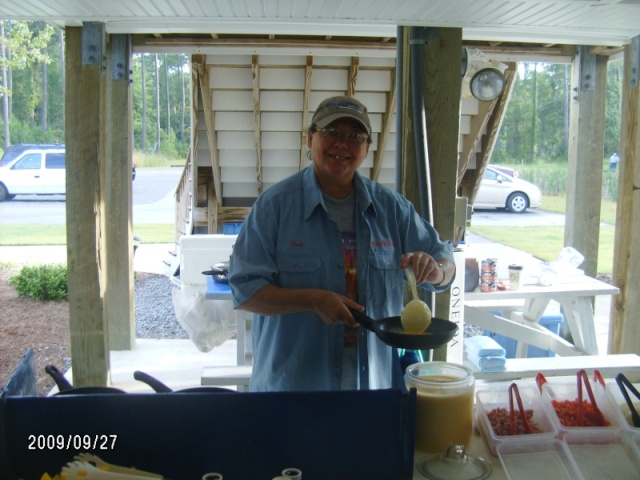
{"x": 334, "y": 108}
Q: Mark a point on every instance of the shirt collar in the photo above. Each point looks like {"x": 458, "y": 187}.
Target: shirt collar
{"x": 313, "y": 194}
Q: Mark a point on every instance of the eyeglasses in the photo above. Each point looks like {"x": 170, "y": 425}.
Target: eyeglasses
{"x": 353, "y": 139}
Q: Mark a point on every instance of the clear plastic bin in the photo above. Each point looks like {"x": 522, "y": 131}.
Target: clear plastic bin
{"x": 624, "y": 414}
{"x": 498, "y": 397}
{"x": 549, "y": 459}
{"x": 568, "y": 390}
{"x": 605, "y": 455}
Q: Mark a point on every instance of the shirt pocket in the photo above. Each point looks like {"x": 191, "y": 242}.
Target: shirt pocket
{"x": 385, "y": 282}
{"x": 299, "y": 271}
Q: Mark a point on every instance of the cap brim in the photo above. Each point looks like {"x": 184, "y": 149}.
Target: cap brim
{"x": 328, "y": 120}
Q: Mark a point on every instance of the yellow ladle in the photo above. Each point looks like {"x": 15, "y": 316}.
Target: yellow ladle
{"x": 416, "y": 315}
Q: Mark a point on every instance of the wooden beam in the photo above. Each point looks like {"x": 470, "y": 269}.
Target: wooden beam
{"x": 257, "y": 134}
{"x": 471, "y": 140}
{"x": 84, "y": 210}
{"x": 118, "y": 252}
{"x": 387, "y": 123}
{"x": 442, "y": 90}
{"x": 497, "y": 115}
{"x": 443, "y": 87}
{"x": 353, "y": 76}
{"x": 624, "y": 332}
{"x": 233, "y": 214}
{"x": 209, "y": 115}
{"x": 308, "y": 73}
{"x": 491, "y": 129}
{"x": 586, "y": 147}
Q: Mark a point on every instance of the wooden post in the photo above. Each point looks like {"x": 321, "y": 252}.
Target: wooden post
{"x": 624, "y": 329}
{"x": 118, "y": 142}
{"x": 442, "y": 90}
{"x": 84, "y": 208}
{"x": 586, "y": 147}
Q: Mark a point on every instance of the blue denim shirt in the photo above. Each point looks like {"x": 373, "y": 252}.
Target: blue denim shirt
{"x": 288, "y": 240}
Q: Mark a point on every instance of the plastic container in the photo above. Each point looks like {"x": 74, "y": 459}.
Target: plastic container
{"x": 199, "y": 253}
{"x": 550, "y": 459}
{"x": 498, "y": 397}
{"x": 624, "y": 415}
{"x": 568, "y": 390}
{"x": 444, "y": 404}
{"x": 605, "y": 455}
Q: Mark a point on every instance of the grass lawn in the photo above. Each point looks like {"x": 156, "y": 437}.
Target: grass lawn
{"x": 546, "y": 242}
{"x": 27, "y": 234}
{"x": 542, "y": 242}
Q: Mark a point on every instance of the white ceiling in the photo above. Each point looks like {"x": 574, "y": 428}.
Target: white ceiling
{"x": 578, "y": 22}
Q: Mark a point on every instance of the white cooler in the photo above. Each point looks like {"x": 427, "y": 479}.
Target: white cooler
{"x": 199, "y": 253}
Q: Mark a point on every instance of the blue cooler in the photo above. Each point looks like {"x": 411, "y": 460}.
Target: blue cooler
{"x": 550, "y": 322}
{"x": 231, "y": 228}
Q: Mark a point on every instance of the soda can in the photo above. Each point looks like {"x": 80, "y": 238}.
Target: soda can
{"x": 488, "y": 286}
{"x": 489, "y": 265}
{"x": 490, "y": 277}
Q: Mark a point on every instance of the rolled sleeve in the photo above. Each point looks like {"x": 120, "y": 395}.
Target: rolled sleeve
{"x": 252, "y": 265}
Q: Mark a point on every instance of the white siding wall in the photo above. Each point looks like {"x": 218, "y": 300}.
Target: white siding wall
{"x": 282, "y": 120}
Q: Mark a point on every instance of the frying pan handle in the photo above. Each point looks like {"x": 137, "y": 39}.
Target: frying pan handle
{"x": 362, "y": 319}
{"x": 215, "y": 271}
{"x": 58, "y": 377}
{"x": 153, "y": 382}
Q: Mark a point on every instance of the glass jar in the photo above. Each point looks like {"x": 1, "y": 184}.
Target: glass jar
{"x": 444, "y": 409}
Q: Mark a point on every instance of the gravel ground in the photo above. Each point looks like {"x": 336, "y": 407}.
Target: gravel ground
{"x": 155, "y": 316}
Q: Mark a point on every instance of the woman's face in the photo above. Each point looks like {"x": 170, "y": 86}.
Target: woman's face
{"x": 335, "y": 160}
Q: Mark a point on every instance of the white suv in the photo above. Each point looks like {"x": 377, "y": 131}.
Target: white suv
{"x": 33, "y": 172}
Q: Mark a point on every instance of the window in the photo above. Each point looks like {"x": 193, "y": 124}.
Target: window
{"x": 54, "y": 160}
{"x": 31, "y": 161}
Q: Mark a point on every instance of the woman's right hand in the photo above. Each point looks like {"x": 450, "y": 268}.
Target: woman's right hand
{"x": 333, "y": 308}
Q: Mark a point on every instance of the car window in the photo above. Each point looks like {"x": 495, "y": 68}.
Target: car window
{"x": 10, "y": 153}
{"x": 54, "y": 160}
{"x": 31, "y": 161}
{"x": 490, "y": 175}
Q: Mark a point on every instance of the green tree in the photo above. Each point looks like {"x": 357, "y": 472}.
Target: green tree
{"x": 25, "y": 49}
{"x": 613, "y": 109}
{"x": 535, "y": 127}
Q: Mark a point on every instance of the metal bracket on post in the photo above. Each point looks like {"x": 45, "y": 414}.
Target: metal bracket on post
{"x": 120, "y": 55}
{"x": 634, "y": 79}
{"x": 587, "y": 70}
{"x": 93, "y": 41}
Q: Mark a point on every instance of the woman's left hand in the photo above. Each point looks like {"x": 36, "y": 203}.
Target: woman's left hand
{"x": 426, "y": 268}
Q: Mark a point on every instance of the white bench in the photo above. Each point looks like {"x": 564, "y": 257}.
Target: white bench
{"x": 228, "y": 375}
{"x": 608, "y": 365}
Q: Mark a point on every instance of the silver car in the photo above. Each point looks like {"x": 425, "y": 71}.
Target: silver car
{"x": 498, "y": 190}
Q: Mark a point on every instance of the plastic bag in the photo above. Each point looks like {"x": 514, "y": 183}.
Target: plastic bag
{"x": 207, "y": 322}
{"x": 564, "y": 266}
{"x": 568, "y": 259}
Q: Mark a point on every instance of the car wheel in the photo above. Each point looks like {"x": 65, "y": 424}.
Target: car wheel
{"x": 4, "y": 193}
{"x": 517, "y": 202}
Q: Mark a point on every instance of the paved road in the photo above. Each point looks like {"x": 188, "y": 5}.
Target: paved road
{"x": 530, "y": 218}
{"x": 153, "y": 201}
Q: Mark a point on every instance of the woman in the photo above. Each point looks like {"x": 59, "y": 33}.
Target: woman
{"x": 322, "y": 242}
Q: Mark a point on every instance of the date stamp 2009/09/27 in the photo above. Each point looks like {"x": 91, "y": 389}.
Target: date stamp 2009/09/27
{"x": 72, "y": 442}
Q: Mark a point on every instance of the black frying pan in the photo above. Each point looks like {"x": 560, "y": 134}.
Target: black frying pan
{"x": 219, "y": 272}
{"x": 65, "y": 388}
{"x": 160, "y": 387}
{"x": 390, "y": 331}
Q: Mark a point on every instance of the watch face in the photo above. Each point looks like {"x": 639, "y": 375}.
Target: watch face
{"x": 487, "y": 84}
